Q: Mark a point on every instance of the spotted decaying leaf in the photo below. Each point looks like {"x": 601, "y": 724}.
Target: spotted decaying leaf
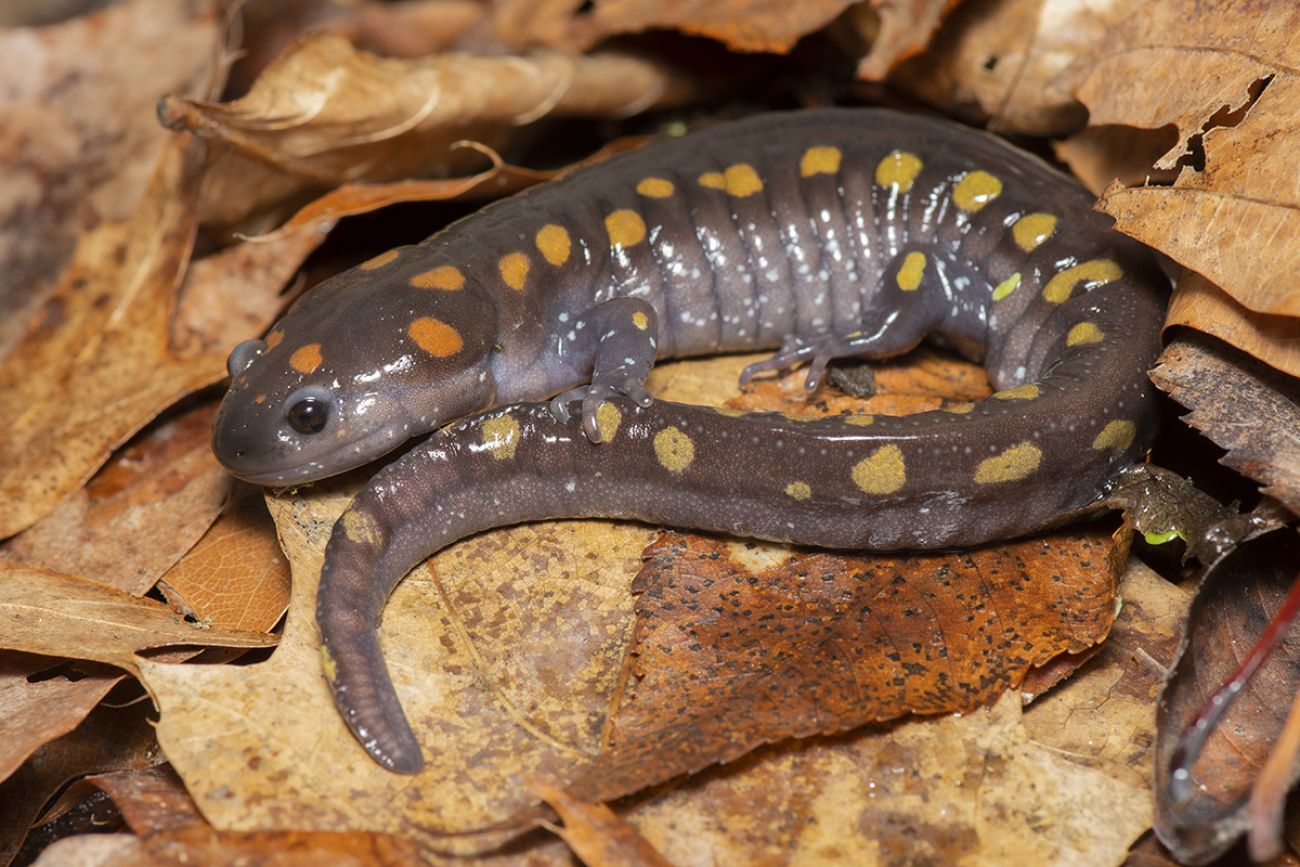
{"x": 1232, "y": 607}
{"x": 1232, "y": 92}
{"x": 78, "y": 136}
{"x": 563, "y": 711}
{"x": 739, "y": 644}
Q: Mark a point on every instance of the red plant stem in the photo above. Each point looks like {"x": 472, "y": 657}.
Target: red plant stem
{"x": 1195, "y": 736}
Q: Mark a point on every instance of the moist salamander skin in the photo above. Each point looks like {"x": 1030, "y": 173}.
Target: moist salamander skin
{"x": 819, "y": 234}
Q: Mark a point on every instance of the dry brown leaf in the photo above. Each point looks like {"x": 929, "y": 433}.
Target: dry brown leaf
{"x": 66, "y": 616}
{"x": 326, "y": 113}
{"x": 39, "y": 710}
{"x": 595, "y": 832}
{"x": 895, "y": 31}
{"x": 742, "y": 25}
{"x": 1100, "y": 154}
{"x": 235, "y": 577}
{"x": 78, "y": 136}
{"x": 95, "y": 367}
{"x": 1250, "y": 410}
{"x": 135, "y": 519}
{"x": 1200, "y": 304}
{"x": 1011, "y": 62}
{"x": 1196, "y": 64}
{"x": 110, "y": 738}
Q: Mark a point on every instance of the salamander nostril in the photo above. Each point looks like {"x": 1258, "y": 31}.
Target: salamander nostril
{"x": 242, "y": 356}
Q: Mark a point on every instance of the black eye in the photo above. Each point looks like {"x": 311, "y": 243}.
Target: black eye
{"x": 309, "y": 415}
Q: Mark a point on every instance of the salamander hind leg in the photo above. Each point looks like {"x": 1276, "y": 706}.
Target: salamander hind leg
{"x": 619, "y": 337}
{"x": 911, "y": 304}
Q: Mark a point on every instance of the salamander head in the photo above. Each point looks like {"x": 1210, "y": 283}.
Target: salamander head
{"x": 349, "y": 374}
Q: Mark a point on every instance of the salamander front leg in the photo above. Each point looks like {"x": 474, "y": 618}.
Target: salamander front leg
{"x": 619, "y": 336}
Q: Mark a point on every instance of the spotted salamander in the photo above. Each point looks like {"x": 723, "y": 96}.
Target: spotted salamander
{"x": 822, "y": 234}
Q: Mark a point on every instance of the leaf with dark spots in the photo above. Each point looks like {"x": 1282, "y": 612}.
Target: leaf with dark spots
{"x": 1164, "y": 506}
{"x": 1223, "y": 387}
{"x": 740, "y": 644}
{"x": 1233, "y": 606}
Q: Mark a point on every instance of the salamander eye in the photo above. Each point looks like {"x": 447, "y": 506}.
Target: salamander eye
{"x": 308, "y": 416}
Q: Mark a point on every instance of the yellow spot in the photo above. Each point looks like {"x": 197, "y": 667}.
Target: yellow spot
{"x": 976, "y": 190}
{"x": 306, "y": 359}
{"x": 898, "y": 169}
{"x": 379, "y": 261}
{"x": 361, "y": 529}
{"x": 435, "y": 336}
{"x": 655, "y": 188}
{"x": 1118, "y": 434}
{"x": 742, "y": 180}
{"x": 445, "y": 277}
{"x": 273, "y": 340}
{"x": 553, "y": 243}
{"x": 792, "y": 416}
{"x": 820, "y": 161}
{"x": 1084, "y": 332}
{"x": 640, "y": 320}
{"x": 959, "y": 408}
{"x": 327, "y": 664}
{"x": 501, "y": 436}
{"x": 881, "y": 473}
{"x": 1006, "y": 287}
{"x": 799, "y": 490}
{"x": 859, "y": 420}
{"x": 1012, "y": 465}
{"x": 514, "y": 270}
{"x": 713, "y": 180}
{"x": 625, "y": 228}
{"x": 260, "y": 399}
{"x": 728, "y": 411}
{"x": 1098, "y": 271}
{"x": 909, "y": 276}
{"x": 608, "y": 418}
{"x": 1028, "y": 391}
{"x": 1032, "y": 230}
{"x": 674, "y": 449}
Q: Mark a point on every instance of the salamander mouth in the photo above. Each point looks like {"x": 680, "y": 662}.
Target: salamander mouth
{"x": 346, "y": 456}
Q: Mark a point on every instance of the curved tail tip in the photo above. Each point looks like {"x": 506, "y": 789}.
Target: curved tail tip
{"x": 403, "y": 757}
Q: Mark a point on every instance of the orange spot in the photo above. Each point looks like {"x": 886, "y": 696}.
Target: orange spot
{"x": 260, "y": 399}
{"x": 379, "y": 261}
{"x": 514, "y": 270}
{"x": 306, "y": 359}
{"x": 742, "y": 180}
{"x": 655, "y": 188}
{"x": 273, "y": 340}
{"x": 625, "y": 228}
{"x": 821, "y": 160}
{"x": 435, "y": 336}
{"x": 445, "y": 277}
{"x": 554, "y": 244}
{"x": 713, "y": 180}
